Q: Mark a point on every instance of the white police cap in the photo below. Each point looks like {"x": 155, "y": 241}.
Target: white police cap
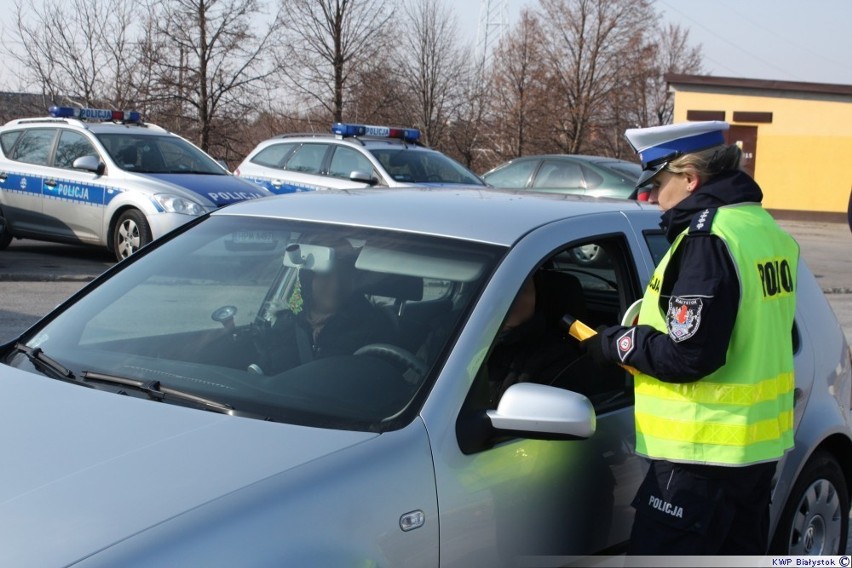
{"x": 659, "y": 145}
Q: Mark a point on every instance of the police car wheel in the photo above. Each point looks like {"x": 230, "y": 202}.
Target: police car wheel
{"x": 130, "y": 234}
{"x": 816, "y": 517}
{"x": 5, "y": 235}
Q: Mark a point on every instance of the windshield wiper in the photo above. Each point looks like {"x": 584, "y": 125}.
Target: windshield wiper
{"x": 158, "y": 392}
{"x": 42, "y": 360}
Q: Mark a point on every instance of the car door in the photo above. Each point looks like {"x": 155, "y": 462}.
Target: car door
{"x": 74, "y": 199}
{"x": 504, "y": 499}
{"x": 22, "y": 180}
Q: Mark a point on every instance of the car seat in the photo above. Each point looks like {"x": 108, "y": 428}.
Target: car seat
{"x": 559, "y": 293}
{"x": 126, "y": 157}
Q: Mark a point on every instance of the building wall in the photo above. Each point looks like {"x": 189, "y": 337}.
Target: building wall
{"x": 803, "y": 157}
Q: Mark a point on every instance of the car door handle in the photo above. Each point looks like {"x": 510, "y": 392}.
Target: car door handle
{"x": 277, "y": 182}
{"x": 3, "y": 176}
{"x": 50, "y": 183}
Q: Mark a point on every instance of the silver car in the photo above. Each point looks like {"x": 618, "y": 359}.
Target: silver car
{"x": 105, "y": 178}
{"x": 352, "y": 156}
{"x": 184, "y": 409}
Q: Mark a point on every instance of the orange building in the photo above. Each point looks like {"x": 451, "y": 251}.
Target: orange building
{"x": 796, "y": 137}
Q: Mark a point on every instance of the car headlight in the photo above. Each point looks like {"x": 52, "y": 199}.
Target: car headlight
{"x": 175, "y": 204}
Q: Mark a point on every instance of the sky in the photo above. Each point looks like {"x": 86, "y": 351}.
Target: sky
{"x": 784, "y": 40}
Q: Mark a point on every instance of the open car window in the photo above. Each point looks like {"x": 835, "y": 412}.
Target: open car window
{"x": 319, "y": 325}
{"x": 593, "y": 281}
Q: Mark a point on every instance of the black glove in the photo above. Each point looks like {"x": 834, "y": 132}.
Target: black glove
{"x": 593, "y": 347}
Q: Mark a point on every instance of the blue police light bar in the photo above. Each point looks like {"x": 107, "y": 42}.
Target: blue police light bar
{"x": 346, "y": 129}
{"x": 102, "y": 115}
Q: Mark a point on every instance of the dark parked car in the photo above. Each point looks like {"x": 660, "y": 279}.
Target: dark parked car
{"x": 567, "y": 173}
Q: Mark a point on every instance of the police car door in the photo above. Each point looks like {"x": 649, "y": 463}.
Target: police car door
{"x": 22, "y": 176}
{"x": 74, "y": 199}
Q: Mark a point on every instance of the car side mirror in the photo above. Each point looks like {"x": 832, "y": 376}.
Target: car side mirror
{"x": 89, "y": 164}
{"x": 363, "y": 177}
{"x": 531, "y": 410}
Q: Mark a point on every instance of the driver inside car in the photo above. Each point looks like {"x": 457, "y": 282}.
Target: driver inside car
{"x": 335, "y": 318}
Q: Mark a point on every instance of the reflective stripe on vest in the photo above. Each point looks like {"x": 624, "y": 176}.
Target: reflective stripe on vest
{"x": 743, "y": 412}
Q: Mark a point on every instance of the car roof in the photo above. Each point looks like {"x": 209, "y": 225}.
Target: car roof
{"x": 582, "y": 157}
{"x": 356, "y": 141}
{"x": 94, "y": 127}
{"x": 487, "y": 215}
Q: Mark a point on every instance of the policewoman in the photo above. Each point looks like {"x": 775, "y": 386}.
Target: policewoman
{"x": 713, "y": 346}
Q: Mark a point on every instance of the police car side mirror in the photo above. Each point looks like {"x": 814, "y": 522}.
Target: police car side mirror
{"x": 363, "y": 177}
{"x": 89, "y": 164}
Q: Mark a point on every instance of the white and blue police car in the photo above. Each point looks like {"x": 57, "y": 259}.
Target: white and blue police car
{"x": 105, "y": 178}
{"x": 352, "y": 156}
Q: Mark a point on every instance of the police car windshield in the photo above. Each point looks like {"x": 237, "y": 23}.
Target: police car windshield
{"x": 423, "y": 166}
{"x": 147, "y": 154}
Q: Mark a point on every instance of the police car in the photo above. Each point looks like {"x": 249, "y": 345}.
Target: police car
{"x": 105, "y": 178}
{"x": 352, "y": 156}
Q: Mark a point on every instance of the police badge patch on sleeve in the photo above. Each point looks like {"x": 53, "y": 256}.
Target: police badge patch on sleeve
{"x": 683, "y": 317}
{"x": 625, "y": 344}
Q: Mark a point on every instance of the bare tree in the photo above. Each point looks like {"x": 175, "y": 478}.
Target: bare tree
{"x": 587, "y": 38}
{"x": 330, "y": 41}
{"x": 672, "y": 54}
{"x": 208, "y": 60}
{"x": 429, "y": 65}
{"x": 519, "y": 93}
{"x": 71, "y": 51}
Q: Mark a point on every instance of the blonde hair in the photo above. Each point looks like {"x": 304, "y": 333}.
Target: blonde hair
{"x": 708, "y": 163}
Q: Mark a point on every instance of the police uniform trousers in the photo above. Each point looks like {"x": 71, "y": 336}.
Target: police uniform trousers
{"x": 690, "y": 509}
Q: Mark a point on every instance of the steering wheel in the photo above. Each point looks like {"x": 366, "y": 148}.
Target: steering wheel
{"x": 395, "y": 355}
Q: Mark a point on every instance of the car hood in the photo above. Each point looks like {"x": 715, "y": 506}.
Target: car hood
{"x": 84, "y": 469}
{"x": 218, "y": 189}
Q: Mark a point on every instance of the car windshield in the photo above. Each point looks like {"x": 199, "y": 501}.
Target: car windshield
{"x": 326, "y": 326}
{"x": 423, "y": 166}
{"x": 152, "y": 154}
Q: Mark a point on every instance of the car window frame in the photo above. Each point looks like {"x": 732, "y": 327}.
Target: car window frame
{"x": 558, "y": 162}
{"x": 290, "y": 147}
{"x": 323, "y": 162}
{"x": 50, "y": 150}
{"x": 58, "y": 141}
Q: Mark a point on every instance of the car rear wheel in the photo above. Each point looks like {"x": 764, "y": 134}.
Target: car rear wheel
{"x": 5, "y": 239}
{"x": 5, "y": 235}
{"x": 130, "y": 234}
{"x": 816, "y": 518}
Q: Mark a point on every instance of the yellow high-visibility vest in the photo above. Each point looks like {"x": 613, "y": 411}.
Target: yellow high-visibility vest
{"x": 742, "y": 413}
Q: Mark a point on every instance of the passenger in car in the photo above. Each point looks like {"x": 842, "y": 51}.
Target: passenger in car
{"x": 335, "y": 319}
{"x": 527, "y": 349}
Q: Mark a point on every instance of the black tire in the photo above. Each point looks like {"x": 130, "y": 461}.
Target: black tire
{"x": 5, "y": 239}
{"x": 5, "y": 235}
{"x": 131, "y": 232}
{"x": 815, "y": 520}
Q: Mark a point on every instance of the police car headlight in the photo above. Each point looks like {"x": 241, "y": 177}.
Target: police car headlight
{"x": 175, "y": 204}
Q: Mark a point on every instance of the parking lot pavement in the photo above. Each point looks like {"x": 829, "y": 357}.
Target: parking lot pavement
{"x": 827, "y": 249}
{"x": 33, "y": 261}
